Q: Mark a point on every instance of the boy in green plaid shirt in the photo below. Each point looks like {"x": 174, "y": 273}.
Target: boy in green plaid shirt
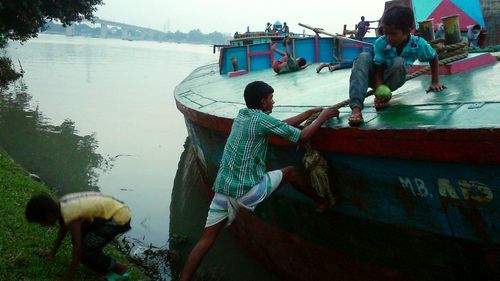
{"x": 242, "y": 180}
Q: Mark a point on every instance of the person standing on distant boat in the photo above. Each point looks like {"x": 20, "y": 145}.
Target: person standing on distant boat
{"x": 268, "y": 27}
{"x": 286, "y": 29}
{"x": 287, "y": 63}
{"x": 362, "y": 28}
{"x": 394, "y": 53}
{"x": 242, "y": 180}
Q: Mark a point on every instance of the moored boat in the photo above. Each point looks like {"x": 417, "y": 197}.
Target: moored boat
{"x": 418, "y": 184}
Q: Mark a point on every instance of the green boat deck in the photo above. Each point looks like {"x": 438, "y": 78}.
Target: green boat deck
{"x": 470, "y": 101}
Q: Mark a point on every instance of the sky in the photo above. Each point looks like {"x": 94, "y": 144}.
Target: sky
{"x": 231, "y": 16}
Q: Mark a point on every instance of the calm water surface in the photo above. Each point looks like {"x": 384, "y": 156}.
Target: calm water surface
{"x": 122, "y": 92}
{"x": 94, "y": 114}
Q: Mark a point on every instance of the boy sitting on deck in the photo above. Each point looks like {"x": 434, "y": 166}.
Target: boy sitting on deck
{"x": 395, "y": 52}
{"x": 93, "y": 219}
{"x": 242, "y": 180}
{"x": 287, "y": 63}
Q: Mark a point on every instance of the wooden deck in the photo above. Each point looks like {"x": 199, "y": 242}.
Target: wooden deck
{"x": 471, "y": 100}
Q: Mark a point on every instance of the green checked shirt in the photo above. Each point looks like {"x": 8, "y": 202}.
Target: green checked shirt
{"x": 243, "y": 162}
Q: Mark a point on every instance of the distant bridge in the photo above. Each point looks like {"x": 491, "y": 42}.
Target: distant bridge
{"x": 128, "y": 31}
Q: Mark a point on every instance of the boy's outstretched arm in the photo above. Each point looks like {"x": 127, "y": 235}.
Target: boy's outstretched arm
{"x": 325, "y": 114}
{"x": 435, "y": 86}
{"x": 306, "y": 65}
{"x": 63, "y": 230}
{"x": 378, "y": 75}
{"x": 76, "y": 239}
{"x": 298, "y": 119}
{"x": 275, "y": 48}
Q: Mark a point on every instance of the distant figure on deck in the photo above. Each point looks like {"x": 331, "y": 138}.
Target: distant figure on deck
{"x": 287, "y": 63}
{"x": 473, "y": 33}
{"x": 439, "y": 31}
{"x": 286, "y": 29}
{"x": 242, "y": 180}
{"x": 93, "y": 220}
{"x": 394, "y": 52}
{"x": 268, "y": 27}
{"x": 362, "y": 28}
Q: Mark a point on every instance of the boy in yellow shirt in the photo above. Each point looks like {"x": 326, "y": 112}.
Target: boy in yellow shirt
{"x": 93, "y": 219}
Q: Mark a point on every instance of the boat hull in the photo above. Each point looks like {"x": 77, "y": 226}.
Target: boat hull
{"x": 417, "y": 185}
{"x": 452, "y": 199}
{"x": 379, "y": 230}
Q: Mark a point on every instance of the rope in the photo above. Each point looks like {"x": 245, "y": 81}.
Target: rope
{"x": 317, "y": 166}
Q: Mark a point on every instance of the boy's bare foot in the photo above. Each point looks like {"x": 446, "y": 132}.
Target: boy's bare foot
{"x": 322, "y": 205}
{"x": 334, "y": 67}
{"x": 356, "y": 117}
{"x": 120, "y": 268}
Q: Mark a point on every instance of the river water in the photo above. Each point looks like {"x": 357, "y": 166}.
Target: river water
{"x": 99, "y": 114}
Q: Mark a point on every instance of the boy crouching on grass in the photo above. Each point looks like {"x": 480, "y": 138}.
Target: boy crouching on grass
{"x": 242, "y": 180}
{"x": 93, "y": 219}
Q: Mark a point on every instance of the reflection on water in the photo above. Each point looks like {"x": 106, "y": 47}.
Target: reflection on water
{"x": 63, "y": 159}
{"x": 119, "y": 94}
{"x": 227, "y": 259}
{"x": 109, "y": 122}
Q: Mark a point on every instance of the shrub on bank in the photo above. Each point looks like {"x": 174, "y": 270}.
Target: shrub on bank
{"x": 7, "y": 72}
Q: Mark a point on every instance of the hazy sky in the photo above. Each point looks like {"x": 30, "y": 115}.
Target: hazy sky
{"x": 230, "y": 16}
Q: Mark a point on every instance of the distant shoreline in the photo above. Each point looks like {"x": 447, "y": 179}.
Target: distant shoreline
{"x": 192, "y": 37}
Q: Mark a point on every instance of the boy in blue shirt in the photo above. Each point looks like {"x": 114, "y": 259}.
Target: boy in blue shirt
{"x": 395, "y": 53}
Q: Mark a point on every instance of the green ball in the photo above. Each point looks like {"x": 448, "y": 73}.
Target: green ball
{"x": 383, "y": 93}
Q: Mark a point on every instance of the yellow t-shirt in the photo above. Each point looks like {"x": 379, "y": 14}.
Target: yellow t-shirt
{"x": 91, "y": 205}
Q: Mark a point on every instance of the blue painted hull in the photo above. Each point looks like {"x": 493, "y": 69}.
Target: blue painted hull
{"x": 450, "y": 199}
{"x": 257, "y": 56}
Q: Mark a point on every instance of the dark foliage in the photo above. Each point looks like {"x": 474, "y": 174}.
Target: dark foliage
{"x": 7, "y": 72}
{"x": 23, "y": 19}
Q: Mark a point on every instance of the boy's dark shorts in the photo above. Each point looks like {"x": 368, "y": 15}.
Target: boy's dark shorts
{"x": 95, "y": 236}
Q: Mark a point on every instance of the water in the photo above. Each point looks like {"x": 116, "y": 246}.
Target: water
{"x": 95, "y": 114}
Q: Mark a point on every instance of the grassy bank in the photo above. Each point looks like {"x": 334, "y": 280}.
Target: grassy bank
{"x": 20, "y": 242}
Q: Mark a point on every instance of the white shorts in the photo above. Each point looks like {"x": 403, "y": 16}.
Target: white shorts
{"x": 224, "y": 206}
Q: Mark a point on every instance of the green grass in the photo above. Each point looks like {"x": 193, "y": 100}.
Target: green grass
{"x": 20, "y": 241}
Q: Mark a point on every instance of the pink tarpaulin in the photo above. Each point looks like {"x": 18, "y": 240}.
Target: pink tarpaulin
{"x": 468, "y": 10}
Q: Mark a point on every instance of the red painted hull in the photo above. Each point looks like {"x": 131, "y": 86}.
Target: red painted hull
{"x": 467, "y": 146}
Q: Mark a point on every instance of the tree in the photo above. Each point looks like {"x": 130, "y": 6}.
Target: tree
{"x": 23, "y": 19}
{"x": 195, "y": 35}
{"x": 217, "y": 38}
